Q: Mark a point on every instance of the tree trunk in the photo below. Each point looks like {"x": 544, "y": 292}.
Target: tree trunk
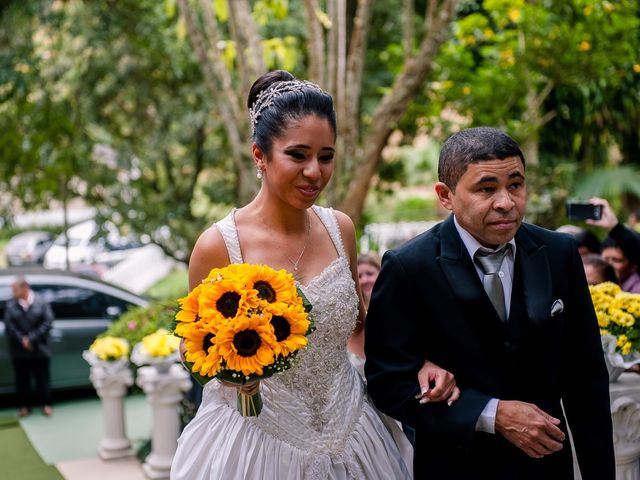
{"x": 316, "y": 43}
{"x": 218, "y": 80}
{"x": 349, "y": 128}
{"x": 395, "y": 102}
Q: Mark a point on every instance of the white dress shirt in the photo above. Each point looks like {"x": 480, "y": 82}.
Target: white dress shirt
{"x": 487, "y": 419}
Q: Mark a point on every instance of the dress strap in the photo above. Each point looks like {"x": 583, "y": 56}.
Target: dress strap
{"x": 328, "y": 218}
{"x": 229, "y": 232}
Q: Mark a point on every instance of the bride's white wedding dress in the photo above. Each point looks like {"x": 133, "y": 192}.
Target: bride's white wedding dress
{"x": 316, "y": 422}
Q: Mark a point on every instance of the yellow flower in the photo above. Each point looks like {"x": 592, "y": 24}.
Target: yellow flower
{"x": 273, "y": 286}
{"x": 247, "y": 344}
{"x": 507, "y": 56}
{"x": 617, "y": 313}
{"x": 469, "y": 40}
{"x": 189, "y": 306}
{"x": 603, "y": 320}
{"x": 224, "y": 299}
{"x": 201, "y": 349}
{"x": 290, "y": 327}
{"x": 584, "y": 46}
{"x": 160, "y": 343}
{"x": 110, "y": 348}
{"x": 606, "y": 288}
{"x": 636, "y": 67}
{"x": 488, "y": 33}
{"x": 466, "y": 90}
{"x": 515, "y": 14}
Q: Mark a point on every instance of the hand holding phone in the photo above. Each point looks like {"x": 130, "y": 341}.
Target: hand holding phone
{"x": 583, "y": 211}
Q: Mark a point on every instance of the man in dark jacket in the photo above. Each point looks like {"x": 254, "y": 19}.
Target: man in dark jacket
{"x": 504, "y": 306}
{"x": 28, "y": 319}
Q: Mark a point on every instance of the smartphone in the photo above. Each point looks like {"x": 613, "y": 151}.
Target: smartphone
{"x": 583, "y": 211}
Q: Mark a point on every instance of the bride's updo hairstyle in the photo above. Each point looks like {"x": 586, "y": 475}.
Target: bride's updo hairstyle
{"x": 277, "y": 98}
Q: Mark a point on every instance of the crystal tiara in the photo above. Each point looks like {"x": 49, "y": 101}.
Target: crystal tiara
{"x": 267, "y": 96}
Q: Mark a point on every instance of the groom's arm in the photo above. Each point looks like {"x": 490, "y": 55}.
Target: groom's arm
{"x": 395, "y": 352}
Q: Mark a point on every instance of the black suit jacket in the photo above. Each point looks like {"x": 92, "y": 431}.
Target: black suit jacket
{"x": 35, "y": 323}
{"x": 429, "y": 302}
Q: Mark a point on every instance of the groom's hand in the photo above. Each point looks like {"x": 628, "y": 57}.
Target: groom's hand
{"x": 530, "y": 429}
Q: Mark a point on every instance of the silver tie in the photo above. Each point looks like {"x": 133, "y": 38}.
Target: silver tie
{"x": 489, "y": 262}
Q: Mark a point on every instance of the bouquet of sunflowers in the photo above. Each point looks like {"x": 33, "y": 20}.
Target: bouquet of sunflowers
{"x": 618, "y": 315}
{"x": 159, "y": 348}
{"x": 243, "y": 323}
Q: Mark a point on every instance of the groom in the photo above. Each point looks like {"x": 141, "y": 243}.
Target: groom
{"x": 504, "y": 306}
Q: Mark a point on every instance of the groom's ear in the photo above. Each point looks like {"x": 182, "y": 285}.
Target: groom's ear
{"x": 444, "y": 195}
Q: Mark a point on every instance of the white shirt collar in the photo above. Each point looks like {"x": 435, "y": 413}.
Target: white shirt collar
{"x": 472, "y": 245}
{"x": 25, "y": 304}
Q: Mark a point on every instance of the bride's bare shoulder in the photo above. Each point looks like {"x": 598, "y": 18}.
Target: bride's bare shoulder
{"x": 209, "y": 252}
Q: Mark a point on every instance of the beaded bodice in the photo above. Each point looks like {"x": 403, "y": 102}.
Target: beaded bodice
{"x": 314, "y": 405}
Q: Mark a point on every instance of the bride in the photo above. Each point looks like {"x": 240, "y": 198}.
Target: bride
{"x": 316, "y": 422}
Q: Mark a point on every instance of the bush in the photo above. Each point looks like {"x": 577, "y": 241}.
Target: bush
{"x": 140, "y": 322}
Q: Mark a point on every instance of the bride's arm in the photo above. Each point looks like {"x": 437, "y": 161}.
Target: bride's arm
{"x": 437, "y": 384}
{"x": 348, "y": 233}
{"x": 209, "y": 252}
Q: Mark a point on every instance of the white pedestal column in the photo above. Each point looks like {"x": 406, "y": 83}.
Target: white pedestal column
{"x": 625, "y": 412}
{"x": 164, "y": 392}
{"x": 111, "y": 386}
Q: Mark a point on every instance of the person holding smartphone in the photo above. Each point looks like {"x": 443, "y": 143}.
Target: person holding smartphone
{"x": 621, "y": 249}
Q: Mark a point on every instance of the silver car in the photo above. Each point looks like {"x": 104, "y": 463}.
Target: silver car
{"x": 83, "y": 308}
{"x": 28, "y": 248}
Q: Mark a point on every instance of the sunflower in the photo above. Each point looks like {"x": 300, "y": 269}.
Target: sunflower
{"x": 233, "y": 271}
{"x": 224, "y": 299}
{"x": 290, "y": 326}
{"x": 273, "y": 286}
{"x": 247, "y": 344}
{"x": 201, "y": 348}
{"x": 189, "y": 306}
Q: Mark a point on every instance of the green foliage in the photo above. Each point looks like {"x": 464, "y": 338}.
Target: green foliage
{"x": 609, "y": 182}
{"x": 415, "y": 209}
{"x": 502, "y": 51}
{"x": 140, "y": 322}
{"x": 174, "y": 285}
{"x": 549, "y": 186}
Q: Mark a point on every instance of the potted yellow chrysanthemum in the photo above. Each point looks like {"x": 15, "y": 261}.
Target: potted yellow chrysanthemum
{"x": 110, "y": 353}
{"x": 618, "y": 316}
{"x": 159, "y": 349}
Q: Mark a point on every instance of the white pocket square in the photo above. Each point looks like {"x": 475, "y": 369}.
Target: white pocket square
{"x": 557, "y": 307}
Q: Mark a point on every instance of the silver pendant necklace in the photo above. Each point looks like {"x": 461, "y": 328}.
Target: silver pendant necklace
{"x": 304, "y": 247}
{"x": 295, "y": 263}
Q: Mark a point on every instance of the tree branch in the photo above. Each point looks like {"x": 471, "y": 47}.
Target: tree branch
{"x": 395, "y": 102}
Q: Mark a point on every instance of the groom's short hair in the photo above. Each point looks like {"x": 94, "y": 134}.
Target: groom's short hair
{"x": 473, "y": 145}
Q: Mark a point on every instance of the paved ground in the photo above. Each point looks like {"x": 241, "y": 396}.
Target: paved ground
{"x": 69, "y": 438}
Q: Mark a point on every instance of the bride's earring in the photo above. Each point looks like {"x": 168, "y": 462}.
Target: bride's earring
{"x": 259, "y": 174}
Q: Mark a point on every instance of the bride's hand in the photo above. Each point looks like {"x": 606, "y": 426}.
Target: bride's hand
{"x": 436, "y": 384}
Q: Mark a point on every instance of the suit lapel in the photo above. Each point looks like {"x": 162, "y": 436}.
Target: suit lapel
{"x": 536, "y": 275}
{"x": 457, "y": 265}
{"x": 465, "y": 283}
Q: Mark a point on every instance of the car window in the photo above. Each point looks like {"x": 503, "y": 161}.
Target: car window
{"x": 5, "y": 294}
{"x": 68, "y": 301}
